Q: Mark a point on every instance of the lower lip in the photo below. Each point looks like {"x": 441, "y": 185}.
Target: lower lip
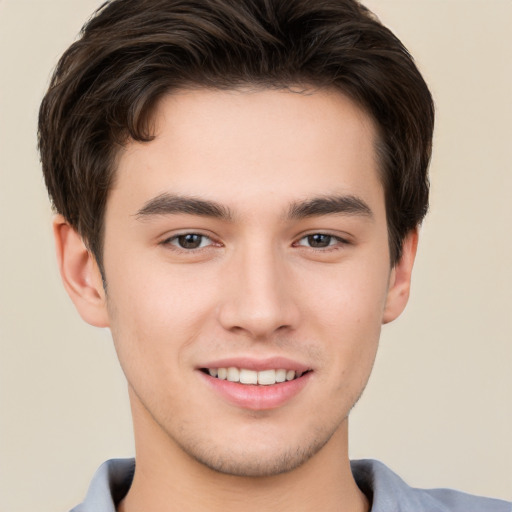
{"x": 257, "y": 398}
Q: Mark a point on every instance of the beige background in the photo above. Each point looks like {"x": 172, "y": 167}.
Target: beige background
{"x": 438, "y": 409}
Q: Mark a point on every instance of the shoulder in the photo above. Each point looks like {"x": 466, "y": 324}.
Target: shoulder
{"x": 390, "y": 493}
{"x": 108, "y": 486}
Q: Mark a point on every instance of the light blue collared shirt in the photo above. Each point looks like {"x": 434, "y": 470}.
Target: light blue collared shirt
{"x": 385, "y": 490}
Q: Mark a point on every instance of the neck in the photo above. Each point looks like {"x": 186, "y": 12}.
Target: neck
{"x": 167, "y": 479}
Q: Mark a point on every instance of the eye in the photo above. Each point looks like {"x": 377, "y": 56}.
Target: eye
{"x": 189, "y": 241}
{"x": 320, "y": 241}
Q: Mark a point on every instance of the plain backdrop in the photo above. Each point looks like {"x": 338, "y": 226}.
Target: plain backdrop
{"x": 438, "y": 408}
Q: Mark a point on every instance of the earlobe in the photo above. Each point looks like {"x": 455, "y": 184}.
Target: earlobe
{"x": 80, "y": 274}
{"x": 400, "y": 279}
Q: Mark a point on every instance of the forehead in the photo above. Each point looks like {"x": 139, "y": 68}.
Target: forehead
{"x": 239, "y": 146}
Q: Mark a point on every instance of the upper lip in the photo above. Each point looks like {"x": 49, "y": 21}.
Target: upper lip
{"x": 250, "y": 363}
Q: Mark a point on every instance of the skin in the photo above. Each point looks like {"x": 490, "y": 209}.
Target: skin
{"x": 256, "y": 287}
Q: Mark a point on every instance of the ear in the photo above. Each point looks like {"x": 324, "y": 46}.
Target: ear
{"x": 80, "y": 274}
{"x": 400, "y": 279}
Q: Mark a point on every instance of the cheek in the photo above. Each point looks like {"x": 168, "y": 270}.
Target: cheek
{"x": 156, "y": 314}
{"x": 344, "y": 297}
{"x": 346, "y": 308}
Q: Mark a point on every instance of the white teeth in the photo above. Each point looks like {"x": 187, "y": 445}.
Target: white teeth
{"x": 248, "y": 377}
{"x": 280, "y": 375}
{"x": 267, "y": 377}
{"x": 263, "y": 377}
{"x": 290, "y": 375}
{"x": 233, "y": 374}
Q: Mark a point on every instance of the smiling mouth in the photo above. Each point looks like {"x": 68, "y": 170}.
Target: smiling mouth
{"x": 253, "y": 377}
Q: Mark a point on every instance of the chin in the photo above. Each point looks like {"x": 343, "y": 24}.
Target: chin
{"x": 259, "y": 461}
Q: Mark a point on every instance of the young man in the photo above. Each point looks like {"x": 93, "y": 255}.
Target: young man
{"x": 239, "y": 186}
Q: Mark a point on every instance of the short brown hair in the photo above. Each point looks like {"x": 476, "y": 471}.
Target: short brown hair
{"x": 131, "y": 52}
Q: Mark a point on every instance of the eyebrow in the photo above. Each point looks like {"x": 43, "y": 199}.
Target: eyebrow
{"x": 168, "y": 204}
{"x": 329, "y": 205}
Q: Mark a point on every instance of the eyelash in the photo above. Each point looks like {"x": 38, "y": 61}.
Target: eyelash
{"x": 175, "y": 240}
{"x": 338, "y": 242}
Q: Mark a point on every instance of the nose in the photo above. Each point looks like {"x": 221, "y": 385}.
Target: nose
{"x": 258, "y": 297}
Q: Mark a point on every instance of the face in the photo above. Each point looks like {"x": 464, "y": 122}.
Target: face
{"x": 248, "y": 242}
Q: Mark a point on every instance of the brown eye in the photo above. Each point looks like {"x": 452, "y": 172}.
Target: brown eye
{"x": 319, "y": 241}
{"x": 189, "y": 241}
